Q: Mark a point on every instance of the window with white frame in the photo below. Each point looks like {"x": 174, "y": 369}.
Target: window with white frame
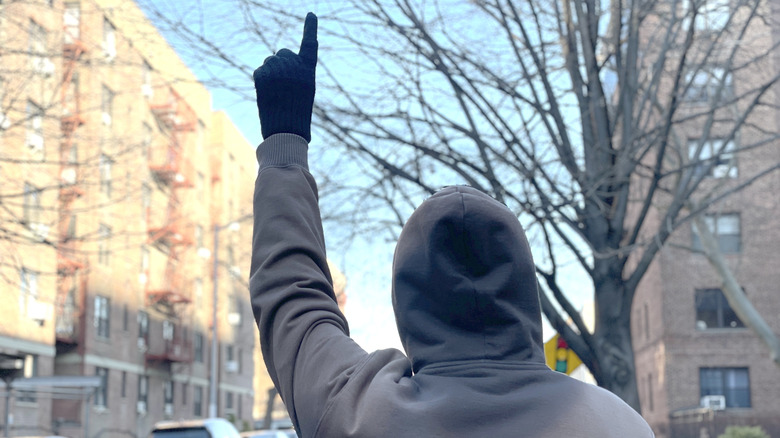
{"x": 168, "y": 329}
{"x": 71, "y": 19}
{"x": 32, "y": 204}
{"x": 102, "y": 318}
{"x": 107, "y": 105}
{"x": 168, "y": 397}
{"x": 198, "y": 347}
{"x": 105, "y": 164}
{"x": 28, "y": 290}
{"x": 147, "y": 139}
{"x": 731, "y": 383}
{"x": 727, "y": 231}
{"x": 714, "y": 157}
{"x": 34, "y": 138}
{"x": 704, "y": 83}
{"x": 101, "y": 393}
{"x": 109, "y": 40}
{"x": 39, "y": 56}
{"x": 143, "y": 327}
{"x": 104, "y": 244}
{"x": 143, "y": 393}
{"x": 197, "y": 400}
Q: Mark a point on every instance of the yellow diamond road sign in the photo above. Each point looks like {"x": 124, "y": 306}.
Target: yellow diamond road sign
{"x": 559, "y": 356}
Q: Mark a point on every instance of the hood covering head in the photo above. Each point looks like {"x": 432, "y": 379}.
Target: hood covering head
{"x": 464, "y": 283}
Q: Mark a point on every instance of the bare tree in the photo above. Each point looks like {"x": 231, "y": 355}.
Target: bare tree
{"x": 597, "y": 122}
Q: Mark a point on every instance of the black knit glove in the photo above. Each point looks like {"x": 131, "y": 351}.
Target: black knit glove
{"x": 285, "y": 87}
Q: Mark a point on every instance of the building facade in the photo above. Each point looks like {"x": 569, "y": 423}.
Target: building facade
{"x": 125, "y": 198}
{"x": 699, "y": 368}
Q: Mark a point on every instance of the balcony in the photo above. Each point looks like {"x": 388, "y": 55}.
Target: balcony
{"x": 170, "y": 168}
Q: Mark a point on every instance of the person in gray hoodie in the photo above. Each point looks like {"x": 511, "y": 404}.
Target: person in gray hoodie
{"x": 464, "y": 293}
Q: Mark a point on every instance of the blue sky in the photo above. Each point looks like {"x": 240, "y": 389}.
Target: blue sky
{"x": 366, "y": 263}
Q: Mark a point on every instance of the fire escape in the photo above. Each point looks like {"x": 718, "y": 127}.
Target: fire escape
{"x": 168, "y": 229}
{"x": 70, "y": 262}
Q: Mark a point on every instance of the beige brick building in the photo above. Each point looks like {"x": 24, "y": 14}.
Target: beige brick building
{"x": 698, "y": 367}
{"x": 116, "y": 176}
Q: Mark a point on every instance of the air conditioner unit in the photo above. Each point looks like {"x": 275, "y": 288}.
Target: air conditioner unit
{"x": 141, "y": 407}
{"x": 34, "y": 141}
{"x": 43, "y": 66}
{"x": 143, "y": 278}
{"x": 142, "y": 344}
{"x": 147, "y": 90}
{"x": 41, "y": 231}
{"x": 714, "y": 402}
{"x": 235, "y": 270}
{"x": 109, "y": 52}
{"x": 234, "y": 318}
{"x": 106, "y": 119}
{"x": 5, "y": 122}
{"x": 168, "y": 409}
{"x": 231, "y": 366}
{"x": 38, "y": 311}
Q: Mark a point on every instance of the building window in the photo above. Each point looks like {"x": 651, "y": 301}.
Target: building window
{"x": 107, "y": 105}
{"x": 714, "y": 311}
{"x": 125, "y": 317}
{"x": 109, "y": 40}
{"x": 168, "y": 329}
{"x": 143, "y": 393}
{"x": 71, "y": 19}
{"x": 184, "y": 388}
{"x": 703, "y": 85}
{"x": 197, "y": 401}
{"x": 732, "y": 383}
{"x": 726, "y": 228}
{"x": 32, "y": 204}
{"x": 102, "y": 319}
{"x": 240, "y": 359}
{"x": 34, "y": 137}
{"x": 199, "y": 235}
{"x": 228, "y": 401}
{"x": 104, "y": 251}
{"x": 143, "y": 327}
{"x": 168, "y": 396}
{"x": 198, "y": 347}
{"x": 124, "y": 384}
{"x": 39, "y": 56}
{"x": 71, "y": 231}
{"x": 28, "y": 293}
{"x": 30, "y": 370}
{"x": 147, "y": 139}
{"x": 198, "y": 293}
{"x": 105, "y": 165}
{"x": 101, "y": 393}
{"x": 715, "y": 158}
{"x": 146, "y": 201}
{"x": 144, "y": 262}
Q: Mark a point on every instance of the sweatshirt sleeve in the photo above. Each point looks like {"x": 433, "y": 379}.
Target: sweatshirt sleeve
{"x": 303, "y": 335}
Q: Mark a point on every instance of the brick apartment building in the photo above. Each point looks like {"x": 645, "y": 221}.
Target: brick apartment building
{"x": 116, "y": 176}
{"x": 698, "y": 367}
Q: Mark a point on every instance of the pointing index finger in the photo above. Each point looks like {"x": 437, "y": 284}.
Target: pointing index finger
{"x": 309, "y": 43}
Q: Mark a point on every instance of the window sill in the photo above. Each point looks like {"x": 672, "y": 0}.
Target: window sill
{"x": 722, "y": 330}
{"x": 101, "y": 409}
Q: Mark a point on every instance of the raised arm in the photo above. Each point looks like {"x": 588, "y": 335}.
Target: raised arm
{"x": 303, "y": 335}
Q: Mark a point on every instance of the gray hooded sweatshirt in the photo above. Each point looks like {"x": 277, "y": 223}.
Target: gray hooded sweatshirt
{"x": 467, "y": 310}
